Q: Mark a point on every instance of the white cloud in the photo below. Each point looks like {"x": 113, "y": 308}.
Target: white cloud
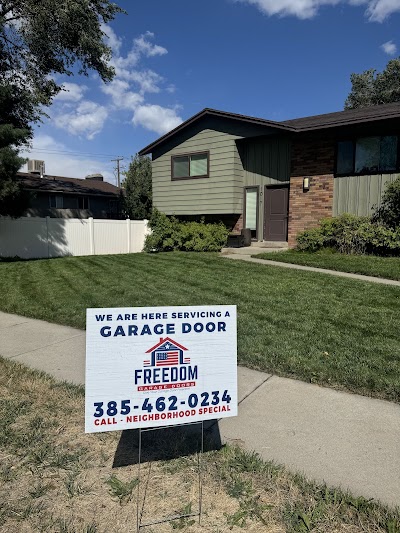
{"x": 156, "y": 118}
{"x": 147, "y": 80}
{"x": 86, "y": 120}
{"x": 72, "y": 92}
{"x": 141, "y": 47}
{"x": 389, "y": 48}
{"x": 126, "y": 92}
{"x": 303, "y": 9}
{"x": 49, "y": 150}
{"x": 377, "y": 10}
{"x": 113, "y": 41}
{"x": 121, "y": 95}
{"x": 145, "y": 47}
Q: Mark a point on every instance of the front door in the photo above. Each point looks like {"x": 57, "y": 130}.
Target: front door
{"x": 276, "y": 207}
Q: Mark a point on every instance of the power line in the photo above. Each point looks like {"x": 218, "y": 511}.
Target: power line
{"x": 54, "y": 151}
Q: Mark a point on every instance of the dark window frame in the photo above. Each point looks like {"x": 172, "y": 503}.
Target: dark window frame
{"x": 354, "y": 140}
{"x": 188, "y": 154}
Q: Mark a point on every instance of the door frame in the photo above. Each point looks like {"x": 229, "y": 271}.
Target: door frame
{"x": 283, "y": 185}
{"x": 257, "y": 188}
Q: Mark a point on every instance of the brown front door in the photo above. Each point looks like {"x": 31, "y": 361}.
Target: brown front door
{"x": 276, "y": 208}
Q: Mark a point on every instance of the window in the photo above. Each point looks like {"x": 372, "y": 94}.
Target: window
{"x": 190, "y": 166}
{"x": 251, "y": 210}
{"x": 367, "y": 155}
{"x": 83, "y": 202}
{"x": 56, "y": 201}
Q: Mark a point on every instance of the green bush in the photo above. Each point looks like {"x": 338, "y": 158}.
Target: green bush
{"x": 168, "y": 233}
{"x": 389, "y": 211}
{"x": 351, "y": 234}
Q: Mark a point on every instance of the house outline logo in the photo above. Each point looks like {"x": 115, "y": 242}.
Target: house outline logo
{"x": 165, "y": 353}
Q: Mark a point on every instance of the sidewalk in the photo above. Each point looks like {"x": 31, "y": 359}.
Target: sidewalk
{"x": 246, "y": 256}
{"x": 343, "y": 439}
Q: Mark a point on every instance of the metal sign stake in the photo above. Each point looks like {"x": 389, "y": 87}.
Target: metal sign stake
{"x": 139, "y": 513}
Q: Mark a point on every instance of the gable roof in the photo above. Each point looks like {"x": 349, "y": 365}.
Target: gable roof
{"x": 60, "y": 184}
{"x": 298, "y": 125}
{"x": 220, "y": 114}
{"x": 164, "y": 341}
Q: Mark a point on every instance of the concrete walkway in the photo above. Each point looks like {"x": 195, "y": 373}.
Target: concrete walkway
{"x": 247, "y": 257}
{"x": 343, "y": 439}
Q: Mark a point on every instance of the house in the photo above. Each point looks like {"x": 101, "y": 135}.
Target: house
{"x": 276, "y": 178}
{"x": 62, "y": 197}
{"x": 167, "y": 353}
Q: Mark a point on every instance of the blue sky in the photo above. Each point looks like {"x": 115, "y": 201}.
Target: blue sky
{"x": 276, "y": 59}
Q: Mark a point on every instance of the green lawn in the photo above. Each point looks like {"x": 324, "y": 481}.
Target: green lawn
{"x": 381, "y": 267}
{"x": 333, "y": 331}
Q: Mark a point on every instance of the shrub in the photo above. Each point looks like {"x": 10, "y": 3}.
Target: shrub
{"x": 351, "y": 234}
{"x": 168, "y": 233}
{"x": 389, "y": 211}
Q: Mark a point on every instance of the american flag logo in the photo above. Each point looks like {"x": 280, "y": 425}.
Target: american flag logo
{"x": 167, "y": 353}
{"x": 167, "y": 358}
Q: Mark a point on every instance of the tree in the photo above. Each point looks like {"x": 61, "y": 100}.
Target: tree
{"x": 372, "y": 88}
{"x": 13, "y": 200}
{"x": 38, "y": 41}
{"x": 137, "y": 185}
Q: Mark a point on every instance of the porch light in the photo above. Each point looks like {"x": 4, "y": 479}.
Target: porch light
{"x": 306, "y": 184}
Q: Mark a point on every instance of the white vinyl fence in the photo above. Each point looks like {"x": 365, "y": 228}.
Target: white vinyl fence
{"x": 32, "y": 237}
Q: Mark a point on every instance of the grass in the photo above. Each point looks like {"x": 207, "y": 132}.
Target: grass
{"x": 90, "y": 493}
{"x": 321, "y": 329}
{"x": 369, "y": 265}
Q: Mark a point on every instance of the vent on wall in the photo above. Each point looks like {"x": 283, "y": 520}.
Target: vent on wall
{"x": 35, "y": 166}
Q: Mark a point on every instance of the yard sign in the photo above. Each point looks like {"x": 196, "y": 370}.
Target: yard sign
{"x": 159, "y": 366}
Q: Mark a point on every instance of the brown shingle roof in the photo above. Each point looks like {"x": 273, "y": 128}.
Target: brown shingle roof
{"x": 316, "y": 122}
{"x": 344, "y": 118}
{"x": 67, "y": 185}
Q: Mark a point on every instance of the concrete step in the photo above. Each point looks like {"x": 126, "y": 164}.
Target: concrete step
{"x": 248, "y": 250}
{"x": 270, "y": 244}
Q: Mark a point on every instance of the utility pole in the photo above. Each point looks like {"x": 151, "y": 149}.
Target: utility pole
{"x": 117, "y": 161}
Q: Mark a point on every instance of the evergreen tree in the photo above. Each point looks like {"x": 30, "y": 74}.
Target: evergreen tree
{"x": 137, "y": 185}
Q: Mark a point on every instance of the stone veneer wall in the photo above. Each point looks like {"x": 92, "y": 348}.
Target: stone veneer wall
{"x": 314, "y": 158}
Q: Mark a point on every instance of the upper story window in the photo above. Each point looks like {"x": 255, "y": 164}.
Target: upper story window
{"x": 56, "y": 201}
{"x": 190, "y": 166}
{"x": 367, "y": 155}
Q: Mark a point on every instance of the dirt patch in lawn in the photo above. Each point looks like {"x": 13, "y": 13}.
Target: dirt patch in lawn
{"x": 54, "y": 478}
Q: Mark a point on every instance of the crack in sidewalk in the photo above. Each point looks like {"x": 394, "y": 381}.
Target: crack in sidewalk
{"x": 254, "y": 390}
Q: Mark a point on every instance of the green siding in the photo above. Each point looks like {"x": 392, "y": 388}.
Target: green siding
{"x": 234, "y": 163}
{"x": 219, "y": 194}
{"x": 359, "y": 194}
{"x": 266, "y": 162}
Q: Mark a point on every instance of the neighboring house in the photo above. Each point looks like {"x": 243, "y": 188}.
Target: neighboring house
{"x": 61, "y": 197}
{"x": 276, "y": 178}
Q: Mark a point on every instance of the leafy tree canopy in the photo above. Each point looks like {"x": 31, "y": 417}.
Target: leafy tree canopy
{"x": 138, "y": 192}
{"x": 374, "y": 88}
{"x": 38, "y": 41}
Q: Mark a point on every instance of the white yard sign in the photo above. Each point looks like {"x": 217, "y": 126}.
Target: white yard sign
{"x": 159, "y": 366}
